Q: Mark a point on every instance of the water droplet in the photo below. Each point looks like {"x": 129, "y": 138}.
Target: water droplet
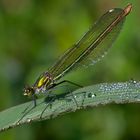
{"x": 29, "y": 120}
{"x": 17, "y": 123}
{"x": 91, "y": 95}
{"x": 133, "y": 81}
{"x": 75, "y": 96}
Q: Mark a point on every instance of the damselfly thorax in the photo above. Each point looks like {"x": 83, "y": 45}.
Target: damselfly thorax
{"x": 42, "y": 84}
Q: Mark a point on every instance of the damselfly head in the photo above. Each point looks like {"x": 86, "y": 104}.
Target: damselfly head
{"x": 28, "y": 91}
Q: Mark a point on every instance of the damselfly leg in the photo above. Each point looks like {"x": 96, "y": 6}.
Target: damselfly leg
{"x": 52, "y": 99}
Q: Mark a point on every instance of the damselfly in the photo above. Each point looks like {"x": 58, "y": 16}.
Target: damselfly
{"x": 92, "y": 45}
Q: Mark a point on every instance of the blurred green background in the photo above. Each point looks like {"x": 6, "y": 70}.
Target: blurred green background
{"x": 33, "y": 33}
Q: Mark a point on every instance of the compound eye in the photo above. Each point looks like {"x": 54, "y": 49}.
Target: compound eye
{"x": 26, "y": 92}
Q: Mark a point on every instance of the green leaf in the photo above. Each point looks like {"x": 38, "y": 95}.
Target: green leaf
{"x": 91, "y": 96}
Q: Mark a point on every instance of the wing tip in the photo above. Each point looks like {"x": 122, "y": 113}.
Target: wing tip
{"x": 127, "y": 9}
